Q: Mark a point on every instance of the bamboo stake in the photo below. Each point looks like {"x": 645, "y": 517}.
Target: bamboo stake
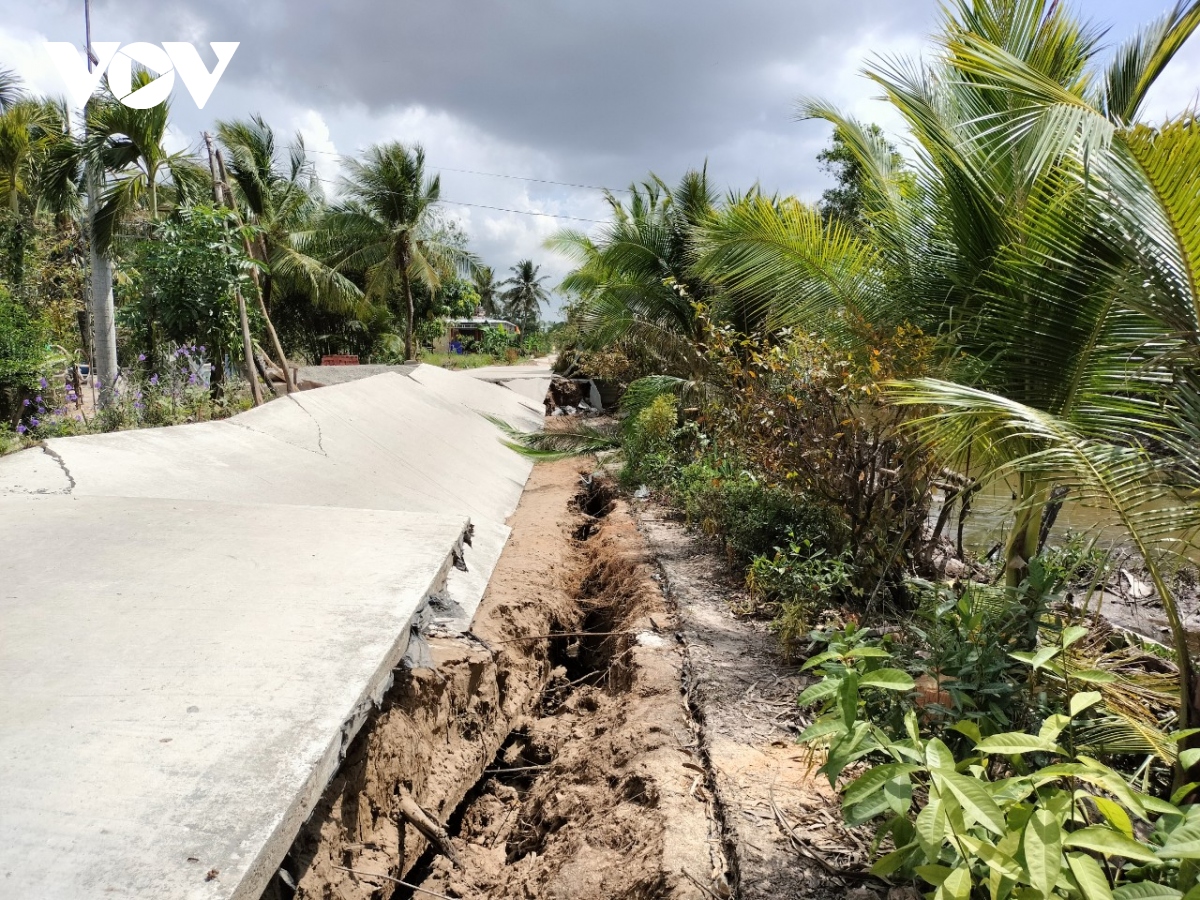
{"x": 288, "y": 381}
{"x": 218, "y": 188}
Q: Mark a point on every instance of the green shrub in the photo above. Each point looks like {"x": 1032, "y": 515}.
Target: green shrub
{"x": 647, "y": 443}
{"x": 23, "y": 341}
{"x": 967, "y": 643}
{"x": 802, "y": 579}
{"x": 494, "y": 341}
{"x": 754, "y": 519}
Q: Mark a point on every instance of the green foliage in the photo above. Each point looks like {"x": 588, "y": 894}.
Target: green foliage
{"x": 1078, "y": 559}
{"x": 845, "y": 201}
{"x": 970, "y": 806}
{"x": 635, "y": 284}
{"x": 23, "y": 340}
{"x": 754, "y": 518}
{"x": 648, "y": 443}
{"x": 1018, "y": 816}
{"x": 968, "y": 640}
{"x": 427, "y": 331}
{"x": 524, "y": 295}
{"x": 494, "y": 340}
{"x": 798, "y": 411}
{"x": 183, "y": 282}
{"x": 801, "y": 579}
{"x": 457, "y": 298}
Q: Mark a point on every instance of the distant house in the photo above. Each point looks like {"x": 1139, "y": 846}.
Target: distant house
{"x": 461, "y": 332}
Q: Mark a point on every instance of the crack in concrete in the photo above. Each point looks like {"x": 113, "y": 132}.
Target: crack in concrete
{"x": 320, "y": 434}
{"x": 320, "y": 451}
{"x": 62, "y": 464}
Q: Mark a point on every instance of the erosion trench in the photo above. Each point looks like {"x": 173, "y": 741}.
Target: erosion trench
{"x": 552, "y": 747}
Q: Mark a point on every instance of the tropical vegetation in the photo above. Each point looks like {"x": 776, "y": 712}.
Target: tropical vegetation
{"x": 232, "y": 246}
{"x": 1009, "y": 300}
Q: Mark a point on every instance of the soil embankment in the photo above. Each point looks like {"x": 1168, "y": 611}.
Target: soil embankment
{"x": 552, "y": 742}
{"x": 609, "y": 729}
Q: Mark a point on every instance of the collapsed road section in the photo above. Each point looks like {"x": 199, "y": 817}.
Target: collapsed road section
{"x": 197, "y": 620}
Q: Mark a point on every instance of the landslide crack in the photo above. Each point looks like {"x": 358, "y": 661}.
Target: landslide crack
{"x": 62, "y": 464}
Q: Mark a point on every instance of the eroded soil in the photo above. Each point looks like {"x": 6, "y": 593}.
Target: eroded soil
{"x": 608, "y": 729}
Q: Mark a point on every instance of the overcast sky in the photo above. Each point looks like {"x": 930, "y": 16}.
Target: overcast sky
{"x": 591, "y": 92}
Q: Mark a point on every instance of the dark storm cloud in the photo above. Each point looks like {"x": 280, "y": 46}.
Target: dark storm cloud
{"x": 619, "y": 79}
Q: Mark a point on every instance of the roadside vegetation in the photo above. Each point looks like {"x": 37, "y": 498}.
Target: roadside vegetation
{"x": 826, "y": 391}
{"x": 228, "y": 267}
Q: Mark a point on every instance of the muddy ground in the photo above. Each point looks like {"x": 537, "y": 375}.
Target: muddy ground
{"x": 608, "y": 729}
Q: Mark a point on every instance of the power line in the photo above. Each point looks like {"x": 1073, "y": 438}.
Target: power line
{"x": 522, "y": 212}
{"x": 574, "y": 184}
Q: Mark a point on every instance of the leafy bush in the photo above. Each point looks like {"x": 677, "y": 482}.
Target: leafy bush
{"x": 801, "y": 413}
{"x": 754, "y": 519}
{"x": 427, "y": 331}
{"x": 494, "y": 341}
{"x": 182, "y": 287}
{"x": 1014, "y": 815}
{"x": 647, "y": 442}
{"x": 802, "y": 580}
{"x": 968, "y": 672}
{"x": 1020, "y": 816}
{"x": 23, "y": 341}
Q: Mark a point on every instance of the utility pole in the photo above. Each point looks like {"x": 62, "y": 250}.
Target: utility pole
{"x": 104, "y": 329}
{"x": 219, "y": 190}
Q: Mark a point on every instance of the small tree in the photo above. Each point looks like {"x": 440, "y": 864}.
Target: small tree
{"x": 845, "y": 200}
{"x": 23, "y": 341}
{"x": 184, "y": 285}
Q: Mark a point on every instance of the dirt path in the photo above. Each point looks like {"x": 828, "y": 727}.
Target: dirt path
{"x": 782, "y": 821}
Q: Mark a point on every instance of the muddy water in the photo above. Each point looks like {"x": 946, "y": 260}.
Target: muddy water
{"x": 992, "y": 513}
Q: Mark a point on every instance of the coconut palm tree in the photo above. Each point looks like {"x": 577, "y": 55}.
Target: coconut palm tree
{"x": 1051, "y": 240}
{"x": 524, "y": 295}
{"x": 388, "y": 230}
{"x": 283, "y": 201}
{"x": 635, "y": 282}
{"x": 11, "y": 88}
{"x": 488, "y": 288}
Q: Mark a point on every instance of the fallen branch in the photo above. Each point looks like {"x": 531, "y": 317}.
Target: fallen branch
{"x": 421, "y": 820}
{"x": 411, "y": 887}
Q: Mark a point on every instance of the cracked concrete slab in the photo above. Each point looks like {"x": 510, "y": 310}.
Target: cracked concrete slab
{"x": 177, "y": 697}
{"x": 221, "y": 560}
{"x": 494, "y": 399}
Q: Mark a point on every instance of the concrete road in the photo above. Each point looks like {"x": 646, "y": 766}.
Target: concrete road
{"x": 195, "y": 621}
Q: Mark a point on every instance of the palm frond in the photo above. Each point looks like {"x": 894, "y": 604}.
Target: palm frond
{"x": 560, "y": 443}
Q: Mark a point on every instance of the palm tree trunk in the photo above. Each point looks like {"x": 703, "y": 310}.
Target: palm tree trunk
{"x": 408, "y": 324}
{"x": 104, "y": 328}
{"x": 1023, "y": 539}
{"x": 248, "y": 350}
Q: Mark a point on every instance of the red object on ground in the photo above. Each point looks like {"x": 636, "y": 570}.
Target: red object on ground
{"x": 339, "y": 360}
